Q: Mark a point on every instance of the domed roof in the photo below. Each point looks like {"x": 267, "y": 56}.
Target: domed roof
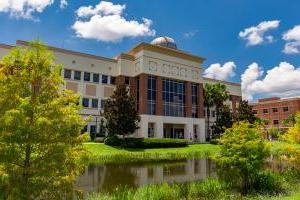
{"x": 165, "y": 42}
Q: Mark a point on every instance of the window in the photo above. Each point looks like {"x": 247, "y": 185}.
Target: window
{"x": 94, "y": 103}
{"x": 275, "y": 122}
{"x": 112, "y": 80}
{"x": 96, "y": 78}
{"x": 275, "y": 109}
{"x": 150, "y": 130}
{"x": 265, "y": 111}
{"x": 77, "y": 75}
{"x": 151, "y": 96}
{"x": 87, "y": 76}
{"x": 102, "y": 103}
{"x": 173, "y": 98}
{"x": 84, "y": 129}
{"x": 285, "y": 109}
{"x": 104, "y": 79}
{"x": 254, "y": 112}
{"x": 213, "y": 113}
{"x": 93, "y": 129}
{"x": 85, "y": 102}
{"x": 127, "y": 80}
{"x": 67, "y": 73}
{"x": 194, "y": 100}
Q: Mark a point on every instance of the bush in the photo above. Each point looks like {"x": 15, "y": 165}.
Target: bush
{"x": 99, "y": 139}
{"x": 208, "y": 189}
{"x": 214, "y": 141}
{"x": 268, "y": 182}
{"x": 85, "y": 137}
{"x": 153, "y": 143}
{"x": 112, "y": 140}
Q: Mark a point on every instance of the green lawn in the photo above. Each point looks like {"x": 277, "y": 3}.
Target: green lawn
{"x": 100, "y": 153}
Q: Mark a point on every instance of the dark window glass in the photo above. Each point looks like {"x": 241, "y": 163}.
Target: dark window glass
{"x": 275, "y": 121}
{"x": 96, "y": 78}
{"x": 151, "y": 95}
{"x": 67, "y": 73}
{"x": 77, "y": 75}
{"x": 94, "y": 103}
{"x": 84, "y": 129}
{"x": 104, "y": 79}
{"x": 265, "y": 111}
{"x": 127, "y": 80}
{"x": 213, "y": 113}
{"x": 285, "y": 109}
{"x": 93, "y": 129}
{"x": 254, "y": 111}
{"x": 102, "y": 103}
{"x": 275, "y": 109}
{"x": 112, "y": 80}
{"x": 87, "y": 76}
{"x": 85, "y": 102}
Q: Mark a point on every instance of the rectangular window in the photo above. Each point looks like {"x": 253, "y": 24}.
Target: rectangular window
{"x": 104, "y": 79}
{"x": 275, "y": 109}
{"x": 102, "y": 103}
{"x": 213, "y": 113}
{"x": 96, "y": 78}
{"x": 285, "y": 109}
{"x": 151, "y": 95}
{"x": 85, "y": 102}
{"x": 275, "y": 122}
{"x": 112, "y": 80}
{"x": 94, "y": 103}
{"x": 77, "y": 75}
{"x": 254, "y": 112}
{"x": 93, "y": 128}
{"x": 265, "y": 111}
{"x": 67, "y": 73}
{"x": 87, "y": 76}
{"x": 127, "y": 80}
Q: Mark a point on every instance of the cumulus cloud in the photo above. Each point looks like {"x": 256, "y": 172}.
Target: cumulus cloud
{"x": 105, "y": 22}
{"x": 255, "y": 35}
{"x": 190, "y": 34}
{"x": 292, "y": 38}
{"x": 63, "y": 4}
{"x": 24, "y": 8}
{"x": 282, "y": 80}
{"x": 220, "y": 72}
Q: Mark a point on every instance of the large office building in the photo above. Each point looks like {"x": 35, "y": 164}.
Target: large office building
{"x": 275, "y": 110}
{"x": 166, "y": 82}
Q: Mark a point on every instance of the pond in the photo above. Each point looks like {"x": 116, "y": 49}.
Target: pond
{"x": 106, "y": 178}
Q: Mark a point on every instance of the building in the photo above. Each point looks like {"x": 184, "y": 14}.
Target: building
{"x": 275, "y": 110}
{"x": 167, "y": 84}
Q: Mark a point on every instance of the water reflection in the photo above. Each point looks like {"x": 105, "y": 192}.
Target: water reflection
{"x": 105, "y": 178}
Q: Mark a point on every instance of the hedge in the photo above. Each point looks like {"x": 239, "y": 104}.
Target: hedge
{"x": 148, "y": 143}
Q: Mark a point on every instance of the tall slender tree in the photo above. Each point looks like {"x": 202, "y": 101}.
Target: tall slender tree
{"x": 39, "y": 126}
{"x": 245, "y": 112}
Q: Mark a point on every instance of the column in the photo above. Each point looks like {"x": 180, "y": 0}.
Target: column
{"x": 159, "y": 108}
{"x": 159, "y": 129}
{"x": 143, "y": 93}
{"x": 188, "y": 99}
{"x": 188, "y": 130}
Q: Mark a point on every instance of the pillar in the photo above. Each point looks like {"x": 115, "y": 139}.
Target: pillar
{"x": 159, "y": 129}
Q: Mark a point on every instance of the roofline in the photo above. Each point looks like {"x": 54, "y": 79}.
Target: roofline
{"x": 76, "y": 53}
{"x": 166, "y": 51}
{"x": 220, "y": 81}
{"x": 278, "y": 100}
{"x": 6, "y": 46}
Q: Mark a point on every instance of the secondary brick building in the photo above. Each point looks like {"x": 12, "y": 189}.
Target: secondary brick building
{"x": 276, "y": 109}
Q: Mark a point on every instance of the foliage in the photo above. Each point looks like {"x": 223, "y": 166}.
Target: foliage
{"x": 120, "y": 112}
{"x": 148, "y": 143}
{"x": 293, "y": 133}
{"x": 245, "y": 113}
{"x": 112, "y": 140}
{"x": 290, "y": 120}
{"x": 224, "y": 121}
{"x": 102, "y": 128}
{"x": 242, "y": 155}
{"x": 274, "y": 132}
{"x": 208, "y": 189}
{"x": 85, "y": 137}
{"x": 39, "y": 126}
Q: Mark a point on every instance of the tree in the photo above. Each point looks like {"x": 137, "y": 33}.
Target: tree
{"x": 293, "y": 133}
{"x": 224, "y": 121}
{"x": 39, "y": 126}
{"x": 242, "y": 155}
{"x": 208, "y": 103}
{"x": 120, "y": 112}
{"x": 289, "y": 121}
{"x": 245, "y": 113}
{"x": 102, "y": 128}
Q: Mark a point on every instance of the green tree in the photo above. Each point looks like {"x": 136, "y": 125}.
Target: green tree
{"x": 289, "y": 121}
{"x": 245, "y": 113}
{"x": 120, "y": 112}
{"x": 39, "y": 126}
{"x": 102, "y": 128}
{"x": 208, "y": 103}
{"x": 224, "y": 121}
{"x": 220, "y": 95}
{"x": 242, "y": 155}
{"x": 293, "y": 133}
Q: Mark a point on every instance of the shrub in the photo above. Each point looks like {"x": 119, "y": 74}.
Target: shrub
{"x": 153, "y": 142}
{"x": 112, "y": 140}
{"x": 208, "y": 189}
{"x": 99, "y": 139}
{"x": 85, "y": 137}
{"x": 214, "y": 141}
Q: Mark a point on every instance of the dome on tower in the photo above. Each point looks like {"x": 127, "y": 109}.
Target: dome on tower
{"x": 165, "y": 42}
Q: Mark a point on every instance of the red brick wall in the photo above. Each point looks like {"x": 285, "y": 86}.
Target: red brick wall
{"x": 143, "y": 93}
{"x": 200, "y": 101}
{"x": 188, "y": 99}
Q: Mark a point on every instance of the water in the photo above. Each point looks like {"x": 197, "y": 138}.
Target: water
{"x": 105, "y": 178}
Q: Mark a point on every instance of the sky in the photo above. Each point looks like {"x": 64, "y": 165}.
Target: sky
{"x": 254, "y": 42}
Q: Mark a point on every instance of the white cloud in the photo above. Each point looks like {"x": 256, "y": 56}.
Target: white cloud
{"x": 292, "y": 38}
{"x": 256, "y": 34}
{"x": 24, "y": 8}
{"x": 63, "y": 4}
{"x": 282, "y": 80}
{"x": 190, "y": 34}
{"x": 105, "y": 22}
{"x": 217, "y": 71}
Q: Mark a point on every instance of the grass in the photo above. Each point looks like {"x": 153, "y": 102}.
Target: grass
{"x": 103, "y": 154}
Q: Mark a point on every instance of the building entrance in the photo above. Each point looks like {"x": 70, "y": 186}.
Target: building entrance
{"x": 174, "y": 131}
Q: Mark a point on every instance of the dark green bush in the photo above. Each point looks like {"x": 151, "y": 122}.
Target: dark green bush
{"x": 113, "y": 141}
{"x": 214, "y": 141}
{"x": 153, "y": 143}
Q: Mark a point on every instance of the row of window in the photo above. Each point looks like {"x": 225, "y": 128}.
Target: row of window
{"x": 92, "y": 103}
{"x": 89, "y": 77}
{"x": 274, "y": 110}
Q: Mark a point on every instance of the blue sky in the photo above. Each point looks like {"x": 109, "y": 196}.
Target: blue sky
{"x": 206, "y": 28}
